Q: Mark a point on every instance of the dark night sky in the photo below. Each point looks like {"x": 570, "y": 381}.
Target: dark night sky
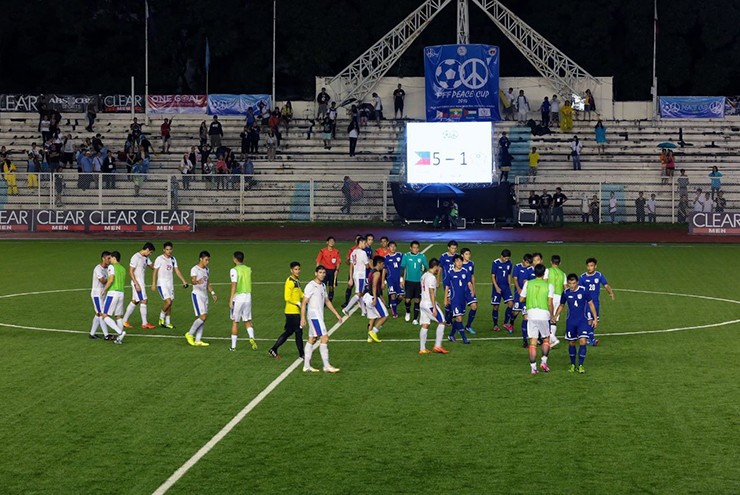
{"x": 94, "y": 46}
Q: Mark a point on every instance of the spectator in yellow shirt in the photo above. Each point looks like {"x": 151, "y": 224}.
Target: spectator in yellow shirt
{"x": 293, "y": 295}
{"x": 9, "y": 176}
{"x": 534, "y": 161}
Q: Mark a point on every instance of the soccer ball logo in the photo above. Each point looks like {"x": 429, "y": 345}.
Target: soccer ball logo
{"x": 448, "y": 74}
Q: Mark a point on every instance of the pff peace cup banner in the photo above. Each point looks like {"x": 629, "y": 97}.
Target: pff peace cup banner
{"x": 462, "y": 83}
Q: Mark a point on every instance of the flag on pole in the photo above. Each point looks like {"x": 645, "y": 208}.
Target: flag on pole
{"x": 208, "y": 56}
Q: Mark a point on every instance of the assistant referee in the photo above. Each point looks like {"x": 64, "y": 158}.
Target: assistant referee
{"x": 293, "y": 295}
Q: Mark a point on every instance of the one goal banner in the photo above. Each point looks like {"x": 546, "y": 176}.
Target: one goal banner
{"x": 724, "y": 223}
{"x": 97, "y": 220}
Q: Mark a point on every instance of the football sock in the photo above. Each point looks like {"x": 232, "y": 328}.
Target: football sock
{"x": 307, "y": 355}
{"x": 513, "y": 319}
{"x": 363, "y": 308}
{"x": 533, "y": 365}
{"x": 508, "y": 316}
{"x": 299, "y": 342}
{"x": 423, "y": 338}
{"x": 494, "y": 313}
{"x": 553, "y": 329}
{"x": 250, "y": 331}
{"x": 233, "y": 341}
{"x": 416, "y": 310}
{"x": 199, "y": 333}
{"x": 95, "y": 325}
{"x": 324, "y": 351}
{"x": 195, "y": 326}
{"x": 471, "y": 317}
{"x": 581, "y": 353}
{"x": 375, "y": 330}
{"x": 112, "y": 324}
{"x": 103, "y": 326}
{"x": 162, "y": 315}
{"x": 461, "y": 330}
{"x": 544, "y": 359}
{"x": 394, "y": 306}
{"x": 142, "y": 310}
{"x": 440, "y": 336}
{"x": 167, "y": 319}
{"x": 524, "y": 330}
{"x": 408, "y": 307}
{"x": 572, "y": 354}
{"x": 351, "y": 304}
{"x": 129, "y": 311}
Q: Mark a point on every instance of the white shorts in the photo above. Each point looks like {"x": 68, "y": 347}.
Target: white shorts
{"x": 97, "y": 303}
{"x": 166, "y": 292}
{"x": 140, "y": 295}
{"x": 113, "y": 305}
{"x": 556, "y": 305}
{"x": 359, "y": 283}
{"x": 538, "y": 329}
{"x": 316, "y": 326}
{"x": 200, "y": 304}
{"x": 426, "y": 317}
{"x": 242, "y": 310}
{"x": 377, "y": 311}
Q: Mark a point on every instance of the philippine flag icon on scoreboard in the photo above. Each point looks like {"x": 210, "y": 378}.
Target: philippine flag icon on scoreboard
{"x": 424, "y": 157}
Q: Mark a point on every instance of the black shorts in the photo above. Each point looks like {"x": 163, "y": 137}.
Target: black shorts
{"x": 292, "y": 323}
{"x": 412, "y": 290}
{"x": 329, "y": 279}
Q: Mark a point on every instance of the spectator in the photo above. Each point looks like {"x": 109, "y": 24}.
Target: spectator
{"x": 683, "y": 209}
{"x": 566, "y": 117}
{"x": 246, "y": 138}
{"x": 68, "y": 151}
{"x": 271, "y": 141}
{"x": 522, "y": 107}
{"x": 248, "y": 169}
{"x": 174, "y": 193}
{"x": 546, "y": 207}
{"x": 287, "y": 116}
{"x": 323, "y": 100}
{"x": 640, "y": 208}
{"x": 558, "y": 200}
{"x": 594, "y": 207}
{"x": 555, "y": 110}
{"x": 205, "y": 152}
{"x": 399, "y": 97}
{"x": 326, "y": 133}
{"x": 683, "y": 183}
{"x": 236, "y": 170}
{"x": 504, "y": 141}
{"x": 165, "y": 129}
{"x": 699, "y": 200}
{"x": 575, "y": 153}
{"x": 250, "y": 119}
{"x": 708, "y": 204}
{"x": 505, "y": 167}
{"x": 721, "y": 202}
{"x": 44, "y": 127}
{"x": 193, "y": 157}
{"x": 97, "y": 142}
{"x": 670, "y": 165}
{"x": 222, "y": 171}
{"x": 613, "y": 206}
{"x": 136, "y": 128}
{"x": 97, "y": 166}
{"x": 186, "y": 168}
{"x": 53, "y": 156}
{"x": 652, "y": 209}
{"x": 32, "y": 169}
{"x": 600, "y": 131}
{"x": 137, "y": 173}
{"x": 59, "y": 186}
{"x": 354, "y": 116}
{"x": 545, "y": 108}
{"x": 534, "y": 161}
{"x": 534, "y": 203}
{"x": 347, "y": 194}
{"x": 332, "y": 115}
{"x": 274, "y": 123}
{"x": 215, "y": 132}
{"x": 509, "y": 100}
{"x": 353, "y": 134}
{"x": 203, "y": 133}
{"x": 378, "y": 108}
{"x": 255, "y": 140}
{"x": 263, "y": 113}
{"x": 585, "y": 208}
{"x": 589, "y": 104}
{"x": 208, "y": 173}
{"x": 715, "y": 180}
{"x": 109, "y": 171}
{"x": 91, "y": 113}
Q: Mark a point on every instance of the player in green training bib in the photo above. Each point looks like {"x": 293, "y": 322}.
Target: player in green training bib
{"x": 241, "y": 299}
{"x": 555, "y": 277}
{"x": 113, "y": 292}
{"x": 538, "y": 294}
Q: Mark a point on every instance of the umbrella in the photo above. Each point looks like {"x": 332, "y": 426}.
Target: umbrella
{"x": 440, "y": 191}
{"x": 667, "y": 144}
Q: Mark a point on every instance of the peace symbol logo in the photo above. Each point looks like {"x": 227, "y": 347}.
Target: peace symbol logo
{"x": 474, "y": 73}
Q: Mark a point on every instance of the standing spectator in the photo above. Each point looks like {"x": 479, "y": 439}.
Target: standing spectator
{"x": 640, "y": 208}
{"x": 256, "y": 133}
{"x": 274, "y": 123}
{"x": 721, "y": 202}
{"x": 97, "y": 167}
{"x": 545, "y": 108}
{"x": 546, "y": 207}
{"x": 566, "y": 117}
{"x": 164, "y": 129}
{"x": 326, "y": 133}
{"x": 32, "y": 169}
{"x": 45, "y": 128}
{"x": 399, "y": 96}
{"x": 186, "y": 168}
{"x": 505, "y": 167}
{"x": 613, "y": 206}
{"x": 715, "y": 180}
{"x": 558, "y": 200}
{"x": 203, "y": 133}
{"x": 589, "y": 104}
{"x": 9, "y": 174}
{"x": 534, "y": 203}
{"x": 215, "y": 132}
{"x": 534, "y": 161}
{"x": 68, "y": 151}
{"x": 136, "y": 128}
{"x": 246, "y": 138}
{"x": 221, "y": 171}
{"x": 84, "y": 179}
{"x": 670, "y": 165}
{"x": 504, "y": 141}
{"x": 699, "y": 200}
{"x": 332, "y": 115}
{"x": 271, "y": 142}
{"x": 708, "y": 203}
{"x": 248, "y": 170}
{"x": 323, "y": 100}
{"x": 347, "y": 194}
{"x": 683, "y": 183}
{"x": 683, "y": 209}
{"x": 575, "y": 153}
{"x": 510, "y": 98}
{"x": 522, "y": 107}
{"x": 53, "y": 157}
{"x": 354, "y": 116}
{"x": 600, "y": 131}
{"x": 354, "y": 134}
{"x": 109, "y": 171}
{"x": 378, "y": 105}
{"x": 287, "y": 115}
{"x": 555, "y": 110}
{"x": 91, "y": 113}
{"x": 594, "y": 207}
{"x": 585, "y": 208}
{"x": 652, "y": 209}
{"x": 205, "y": 151}
{"x": 250, "y": 118}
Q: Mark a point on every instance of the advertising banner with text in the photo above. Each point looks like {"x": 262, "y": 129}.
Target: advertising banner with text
{"x": 97, "y": 221}
{"x": 725, "y": 223}
{"x": 164, "y": 104}
{"x": 692, "y": 107}
{"x": 19, "y": 103}
{"x": 120, "y": 103}
{"x": 236, "y": 104}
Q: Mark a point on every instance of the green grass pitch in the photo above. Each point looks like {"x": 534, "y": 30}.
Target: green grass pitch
{"x": 655, "y": 412}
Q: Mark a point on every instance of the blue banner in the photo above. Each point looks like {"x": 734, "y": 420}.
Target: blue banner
{"x": 237, "y": 104}
{"x": 462, "y": 82}
{"x": 692, "y": 107}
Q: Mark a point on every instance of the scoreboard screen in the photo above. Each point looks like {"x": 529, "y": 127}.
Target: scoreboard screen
{"x": 449, "y": 152}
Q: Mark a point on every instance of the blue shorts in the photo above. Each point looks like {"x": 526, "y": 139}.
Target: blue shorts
{"x": 457, "y": 307}
{"x": 394, "y": 286}
{"x": 470, "y": 298}
{"x": 519, "y": 306}
{"x": 588, "y": 311}
{"x": 503, "y": 296}
{"x": 577, "y": 330}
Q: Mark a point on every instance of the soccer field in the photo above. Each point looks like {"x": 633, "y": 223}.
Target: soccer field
{"x": 656, "y": 412}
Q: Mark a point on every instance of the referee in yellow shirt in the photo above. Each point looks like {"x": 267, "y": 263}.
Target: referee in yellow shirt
{"x": 293, "y": 295}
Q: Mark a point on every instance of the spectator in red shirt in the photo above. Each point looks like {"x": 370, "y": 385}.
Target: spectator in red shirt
{"x": 166, "y": 138}
{"x": 330, "y": 258}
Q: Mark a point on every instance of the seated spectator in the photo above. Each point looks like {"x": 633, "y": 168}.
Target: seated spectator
{"x": 721, "y": 202}
{"x": 271, "y": 141}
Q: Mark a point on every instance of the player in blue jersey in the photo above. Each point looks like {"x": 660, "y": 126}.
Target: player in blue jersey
{"x": 578, "y": 327}
{"x": 501, "y": 278}
{"x": 592, "y": 280}
{"x": 392, "y": 276}
{"x": 456, "y": 287}
{"x": 370, "y": 251}
{"x": 522, "y": 272}
{"x": 472, "y": 301}
{"x": 445, "y": 266}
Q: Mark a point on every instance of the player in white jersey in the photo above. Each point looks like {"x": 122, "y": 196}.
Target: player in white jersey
{"x": 162, "y": 281}
{"x": 358, "y": 265}
{"x": 113, "y": 294}
{"x": 99, "y": 278}
{"x": 199, "y": 278}
{"x": 137, "y": 270}
{"x": 430, "y": 310}
{"x": 315, "y": 298}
